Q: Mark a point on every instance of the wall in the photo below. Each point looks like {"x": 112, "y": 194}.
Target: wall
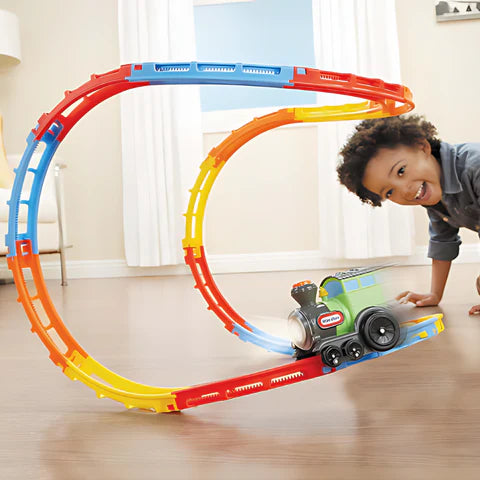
{"x": 265, "y": 198}
{"x": 440, "y": 64}
{"x": 63, "y": 42}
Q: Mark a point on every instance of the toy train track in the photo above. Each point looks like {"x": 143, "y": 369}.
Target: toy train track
{"x": 381, "y": 100}
{"x": 305, "y": 369}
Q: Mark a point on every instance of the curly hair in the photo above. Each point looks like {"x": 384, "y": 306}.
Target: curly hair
{"x": 372, "y": 135}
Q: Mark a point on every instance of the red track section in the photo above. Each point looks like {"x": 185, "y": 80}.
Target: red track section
{"x": 354, "y": 86}
{"x": 204, "y": 281}
{"x": 415, "y": 331}
{"x": 95, "y": 91}
{"x": 256, "y": 382}
{"x": 210, "y": 292}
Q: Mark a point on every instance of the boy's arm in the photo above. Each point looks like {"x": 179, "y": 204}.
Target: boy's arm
{"x": 440, "y": 271}
{"x": 443, "y": 248}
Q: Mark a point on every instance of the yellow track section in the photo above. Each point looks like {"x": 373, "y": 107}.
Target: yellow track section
{"x": 209, "y": 170}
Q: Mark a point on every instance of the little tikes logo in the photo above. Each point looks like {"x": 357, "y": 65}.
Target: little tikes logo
{"x": 330, "y": 319}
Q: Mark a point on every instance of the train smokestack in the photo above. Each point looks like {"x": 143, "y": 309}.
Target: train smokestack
{"x": 305, "y": 293}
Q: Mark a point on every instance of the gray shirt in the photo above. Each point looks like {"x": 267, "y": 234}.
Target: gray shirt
{"x": 460, "y": 205}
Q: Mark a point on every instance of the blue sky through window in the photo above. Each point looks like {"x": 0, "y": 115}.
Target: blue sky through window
{"x": 267, "y": 32}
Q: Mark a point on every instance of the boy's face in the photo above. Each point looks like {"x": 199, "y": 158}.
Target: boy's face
{"x": 405, "y": 175}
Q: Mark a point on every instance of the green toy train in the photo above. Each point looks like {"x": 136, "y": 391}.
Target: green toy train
{"x": 350, "y": 321}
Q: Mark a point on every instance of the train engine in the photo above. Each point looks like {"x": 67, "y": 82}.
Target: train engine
{"x": 349, "y": 321}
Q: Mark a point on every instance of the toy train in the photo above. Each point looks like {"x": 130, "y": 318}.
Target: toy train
{"x": 350, "y": 321}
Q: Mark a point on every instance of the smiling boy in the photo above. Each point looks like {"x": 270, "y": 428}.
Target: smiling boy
{"x": 400, "y": 159}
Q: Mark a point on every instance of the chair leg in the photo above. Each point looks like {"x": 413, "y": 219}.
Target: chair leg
{"x": 63, "y": 267}
{"x": 61, "y": 237}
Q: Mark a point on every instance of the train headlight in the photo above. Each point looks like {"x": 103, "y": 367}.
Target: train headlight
{"x": 298, "y": 330}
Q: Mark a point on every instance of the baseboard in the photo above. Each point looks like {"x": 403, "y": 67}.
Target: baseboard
{"x": 312, "y": 260}
{"x": 240, "y": 263}
{"x": 99, "y": 269}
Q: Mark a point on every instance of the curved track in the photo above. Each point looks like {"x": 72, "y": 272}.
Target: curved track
{"x": 382, "y": 99}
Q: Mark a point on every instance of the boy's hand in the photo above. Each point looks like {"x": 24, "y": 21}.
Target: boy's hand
{"x": 419, "y": 299}
{"x": 475, "y": 309}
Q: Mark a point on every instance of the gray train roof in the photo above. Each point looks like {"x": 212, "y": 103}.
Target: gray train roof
{"x": 356, "y": 271}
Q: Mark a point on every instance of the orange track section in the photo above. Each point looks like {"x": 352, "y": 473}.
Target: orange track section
{"x": 251, "y": 130}
{"x": 26, "y": 259}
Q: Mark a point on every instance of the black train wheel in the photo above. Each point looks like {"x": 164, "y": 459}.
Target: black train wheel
{"x": 354, "y": 350}
{"x": 332, "y": 356}
{"x": 379, "y": 329}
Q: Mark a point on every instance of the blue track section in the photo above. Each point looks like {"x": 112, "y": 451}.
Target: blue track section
{"x": 212, "y": 73}
{"x": 33, "y": 201}
{"x": 409, "y": 335}
{"x": 263, "y": 339}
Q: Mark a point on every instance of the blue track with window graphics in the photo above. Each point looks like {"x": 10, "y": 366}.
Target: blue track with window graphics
{"x": 213, "y": 74}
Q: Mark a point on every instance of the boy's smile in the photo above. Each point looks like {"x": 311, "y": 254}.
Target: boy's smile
{"x": 407, "y": 175}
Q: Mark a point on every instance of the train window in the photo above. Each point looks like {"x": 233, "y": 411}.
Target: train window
{"x": 367, "y": 281}
{"x": 333, "y": 288}
{"x": 351, "y": 285}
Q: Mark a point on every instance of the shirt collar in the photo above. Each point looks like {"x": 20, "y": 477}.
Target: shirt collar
{"x": 449, "y": 179}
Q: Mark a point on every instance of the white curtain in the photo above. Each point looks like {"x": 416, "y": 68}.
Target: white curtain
{"x": 359, "y": 37}
{"x": 161, "y": 132}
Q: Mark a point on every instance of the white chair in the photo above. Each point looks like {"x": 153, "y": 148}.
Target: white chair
{"x": 51, "y": 221}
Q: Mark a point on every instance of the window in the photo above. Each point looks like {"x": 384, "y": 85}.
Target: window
{"x": 265, "y": 32}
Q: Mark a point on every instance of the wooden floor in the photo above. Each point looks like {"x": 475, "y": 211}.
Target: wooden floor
{"x": 414, "y": 414}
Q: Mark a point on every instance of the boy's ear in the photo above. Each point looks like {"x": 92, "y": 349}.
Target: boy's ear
{"x": 425, "y": 146}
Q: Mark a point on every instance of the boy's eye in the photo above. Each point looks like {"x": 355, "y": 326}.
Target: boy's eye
{"x": 389, "y": 194}
{"x": 401, "y": 171}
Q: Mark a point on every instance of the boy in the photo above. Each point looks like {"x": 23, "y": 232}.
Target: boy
{"x": 402, "y": 160}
